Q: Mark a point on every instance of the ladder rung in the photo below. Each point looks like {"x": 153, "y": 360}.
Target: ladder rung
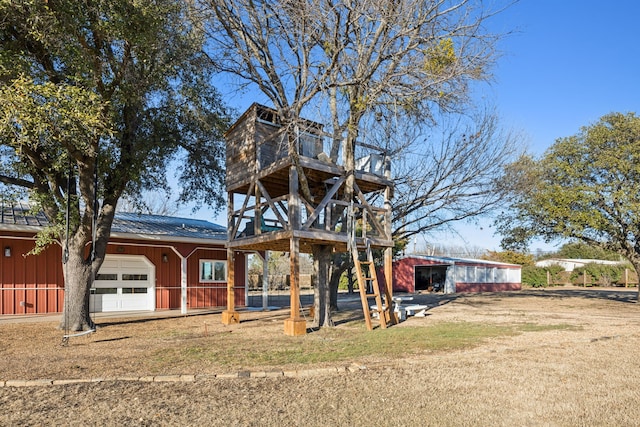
{"x": 371, "y": 295}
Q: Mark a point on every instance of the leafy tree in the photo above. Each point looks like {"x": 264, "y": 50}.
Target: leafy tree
{"x": 584, "y": 187}
{"x": 582, "y": 250}
{"x": 105, "y": 92}
{"x": 605, "y": 275}
{"x": 510, "y": 257}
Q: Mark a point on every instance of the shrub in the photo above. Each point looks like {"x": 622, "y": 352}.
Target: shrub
{"x": 537, "y": 276}
{"x": 599, "y": 274}
{"x": 534, "y": 276}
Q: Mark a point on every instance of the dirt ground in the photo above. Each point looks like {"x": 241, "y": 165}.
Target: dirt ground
{"x": 583, "y": 373}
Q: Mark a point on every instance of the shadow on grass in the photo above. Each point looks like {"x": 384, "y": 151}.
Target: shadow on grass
{"x": 629, "y": 296}
{"x": 112, "y": 339}
{"x": 351, "y": 311}
{"x": 145, "y": 318}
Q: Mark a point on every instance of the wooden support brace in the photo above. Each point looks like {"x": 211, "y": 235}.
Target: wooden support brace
{"x": 233, "y": 222}
{"x": 272, "y": 205}
{"x": 324, "y": 202}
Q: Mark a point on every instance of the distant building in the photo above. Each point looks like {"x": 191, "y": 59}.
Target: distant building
{"x": 571, "y": 264}
{"x": 418, "y": 273}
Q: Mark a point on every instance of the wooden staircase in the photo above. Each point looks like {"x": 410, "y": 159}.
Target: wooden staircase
{"x": 368, "y": 279}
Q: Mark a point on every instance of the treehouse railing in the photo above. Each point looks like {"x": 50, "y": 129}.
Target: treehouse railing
{"x": 368, "y": 158}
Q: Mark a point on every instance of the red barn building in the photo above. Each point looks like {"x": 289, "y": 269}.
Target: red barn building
{"x": 450, "y": 275}
{"x": 152, "y": 262}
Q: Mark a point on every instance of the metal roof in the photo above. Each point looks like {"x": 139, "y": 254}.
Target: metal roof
{"x": 16, "y": 215}
{"x": 167, "y": 226}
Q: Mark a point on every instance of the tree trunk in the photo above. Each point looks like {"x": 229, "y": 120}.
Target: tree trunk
{"x": 340, "y": 264}
{"x": 334, "y": 283}
{"x": 78, "y": 278}
{"x": 635, "y": 262}
{"x": 322, "y": 292}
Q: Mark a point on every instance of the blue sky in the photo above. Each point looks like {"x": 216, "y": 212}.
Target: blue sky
{"x": 566, "y": 64}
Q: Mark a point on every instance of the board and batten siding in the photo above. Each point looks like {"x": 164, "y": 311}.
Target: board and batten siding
{"x": 30, "y": 284}
{"x": 34, "y": 284}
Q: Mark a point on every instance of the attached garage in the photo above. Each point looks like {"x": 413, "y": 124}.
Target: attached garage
{"x": 124, "y": 283}
{"x": 450, "y": 275}
{"x": 153, "y": 262}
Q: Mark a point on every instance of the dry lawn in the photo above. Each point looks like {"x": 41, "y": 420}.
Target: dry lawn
{"x": 558, "y": 357}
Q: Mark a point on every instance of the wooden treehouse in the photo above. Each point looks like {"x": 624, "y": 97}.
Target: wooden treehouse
{"x": 266, "y": 209}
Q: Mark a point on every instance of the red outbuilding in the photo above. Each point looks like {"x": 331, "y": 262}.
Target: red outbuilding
{"x": 152, "y": 262}
{"x": 450, "y": 275}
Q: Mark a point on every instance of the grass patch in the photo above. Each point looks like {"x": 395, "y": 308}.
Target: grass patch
{"x": 337, "y": 345}
{"x": 333, "y": 345}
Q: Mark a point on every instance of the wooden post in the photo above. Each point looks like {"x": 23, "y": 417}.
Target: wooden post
{"x": 388, "y": 252}
{"x": 295, "y": 325}
{"x": 265, "y": 281}
{"x": 257, "y": 220}
{"x": 626, "y": 277}
{"x": 548, "y": 278}
{"x": 230, "y": 315}
{"x": 183, "y": 285}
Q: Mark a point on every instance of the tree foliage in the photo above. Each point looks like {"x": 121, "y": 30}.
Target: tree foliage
{"x": 584, "y": 187}
{"x": 115, "y": 89}
{"x": 538, "y": 277}
{"x": 599, "y": 274}
{"x": 510, "y": 257}
{"x": 579, "y": 250}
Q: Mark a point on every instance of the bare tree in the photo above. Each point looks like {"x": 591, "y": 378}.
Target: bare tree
{"x": 451, "y": 177}
{"x": 151, "y": 203}
{"x": 362, "y": 59}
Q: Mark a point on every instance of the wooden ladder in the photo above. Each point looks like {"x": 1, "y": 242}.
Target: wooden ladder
{"x": 366, "y": 274}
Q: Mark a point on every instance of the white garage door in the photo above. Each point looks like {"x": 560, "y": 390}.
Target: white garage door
{"x": 124, "y": 283}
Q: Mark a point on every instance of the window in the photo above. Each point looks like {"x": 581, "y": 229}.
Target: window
{"x": 134, "y": 277}
{"x": 310, "y": 144}
{"x": 471, "y": 275}
{"x": 482, "y": 275}
{"x": 104, "y": 291}
{"x": 107, "y": 277}
{"x": 213, "y": 271}
{"x": 134, "y": 290}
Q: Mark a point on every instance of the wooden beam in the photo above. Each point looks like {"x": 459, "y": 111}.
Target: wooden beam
{"x": 270, "y": 202}
{"x": 324, "y": 202}
{"x": 295, "y": 325}
{"x": 230, "y": 315}
{"x": 233, "y": 224}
